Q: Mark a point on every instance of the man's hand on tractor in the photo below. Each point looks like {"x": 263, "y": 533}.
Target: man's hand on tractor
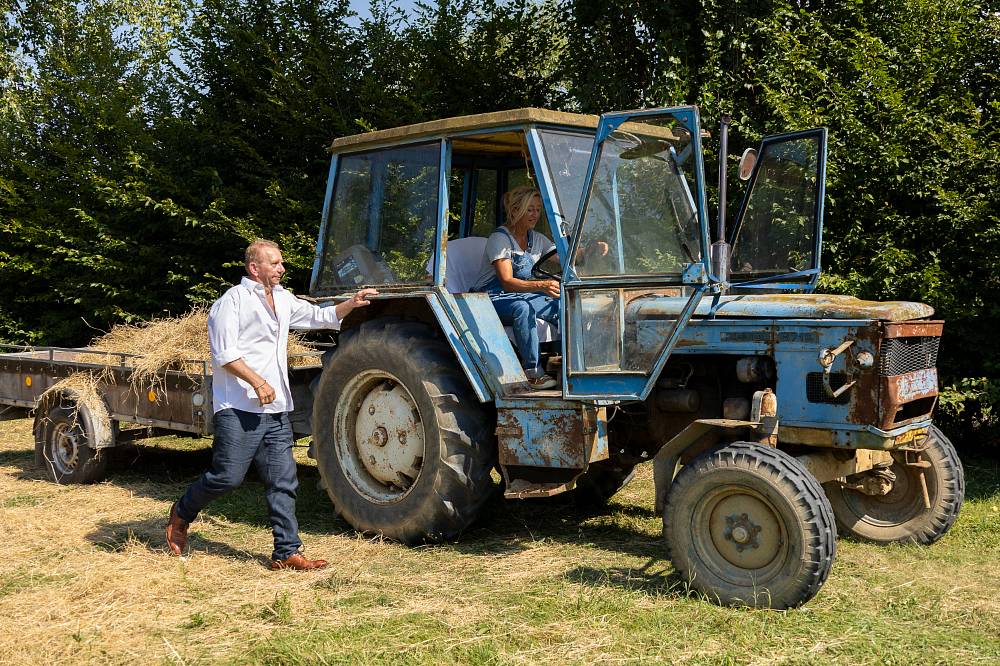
{"x": 360, "y": 299}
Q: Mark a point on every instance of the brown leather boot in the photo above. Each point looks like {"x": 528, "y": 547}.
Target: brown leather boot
{"x": 177, "y": 532}
{"x": 298, "y": 563}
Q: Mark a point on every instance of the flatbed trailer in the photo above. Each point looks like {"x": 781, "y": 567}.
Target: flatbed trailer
{"x": 72, "y": 432}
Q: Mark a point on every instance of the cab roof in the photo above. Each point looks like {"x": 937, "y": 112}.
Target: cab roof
{"x": 458, "y": 124}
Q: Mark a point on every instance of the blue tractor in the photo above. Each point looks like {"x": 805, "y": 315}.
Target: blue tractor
{"x": 775, "y": 418}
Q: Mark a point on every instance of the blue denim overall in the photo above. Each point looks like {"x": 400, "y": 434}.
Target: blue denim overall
{"x": 519, "y": 310}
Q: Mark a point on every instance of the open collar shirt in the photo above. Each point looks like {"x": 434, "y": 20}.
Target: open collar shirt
{"x": 241, "y": 324}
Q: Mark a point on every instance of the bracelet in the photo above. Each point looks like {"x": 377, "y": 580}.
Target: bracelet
{"x": 259, "y": 385}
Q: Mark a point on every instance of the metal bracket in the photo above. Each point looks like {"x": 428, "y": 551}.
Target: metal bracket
{"x": 826, "y": 359}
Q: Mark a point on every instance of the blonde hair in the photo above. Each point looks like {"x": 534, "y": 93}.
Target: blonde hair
{"x": 254, "y": 251}
{"x": 517, "y": 200}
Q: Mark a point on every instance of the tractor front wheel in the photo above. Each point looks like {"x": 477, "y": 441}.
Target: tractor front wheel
{"x": 404, "y": 447}
{"x": 747, "y": 525}
{"x": 902, "y": 515}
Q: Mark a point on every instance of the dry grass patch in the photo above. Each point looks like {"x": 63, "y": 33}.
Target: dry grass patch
{"x": 87, "y": 579}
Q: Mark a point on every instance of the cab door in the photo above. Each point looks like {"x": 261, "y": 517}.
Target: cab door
{"x": 640, "y": 237}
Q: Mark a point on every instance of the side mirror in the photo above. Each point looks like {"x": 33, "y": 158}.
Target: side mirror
{"x": 747, "y": 162}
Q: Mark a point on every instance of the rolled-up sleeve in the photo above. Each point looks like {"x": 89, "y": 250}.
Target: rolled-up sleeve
{"x": 305, "y": 315}
{"x": 224, "y": 331}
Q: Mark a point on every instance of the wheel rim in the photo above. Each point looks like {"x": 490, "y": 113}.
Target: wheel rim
{"x": 900, "y": 505}
{"x": 65, "y": 449}
{"x": 740, "y": 535}
{"x": 379, "y": 436}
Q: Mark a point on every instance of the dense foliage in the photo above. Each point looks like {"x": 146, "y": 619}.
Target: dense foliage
{"x": 143, "y": 142}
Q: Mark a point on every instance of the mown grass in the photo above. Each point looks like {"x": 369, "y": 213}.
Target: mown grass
{"x": 84, "y": 577}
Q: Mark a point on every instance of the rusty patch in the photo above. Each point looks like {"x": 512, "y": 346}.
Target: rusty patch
{"x": 864, "y": 404}
{"x": 544, "y": 438}
{"x": 914, "y": 329}
{"x": 911, "y": 395}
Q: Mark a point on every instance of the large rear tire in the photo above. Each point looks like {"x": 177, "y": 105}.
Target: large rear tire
{"x": 403, "y": 446}
{"x": 747, "y": 525}
{"x": 901, "y": 516}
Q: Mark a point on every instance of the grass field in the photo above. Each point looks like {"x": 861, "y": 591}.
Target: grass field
{"x": 85, "y": 578}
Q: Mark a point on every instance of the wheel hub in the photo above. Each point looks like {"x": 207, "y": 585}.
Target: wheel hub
{"x": 66, "y": 452}
{"x": 745, "y": 531}
{"x": 380, "y": 436}
{"x": 741, "y": 530}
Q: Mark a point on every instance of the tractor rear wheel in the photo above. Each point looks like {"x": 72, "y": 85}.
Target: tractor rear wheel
{"x": 901, "y": 515}
{"x": 747, "y": 525}
{"x": 404, "y": 447}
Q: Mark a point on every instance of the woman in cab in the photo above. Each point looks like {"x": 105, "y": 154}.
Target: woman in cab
{"x": 519, "y": 298}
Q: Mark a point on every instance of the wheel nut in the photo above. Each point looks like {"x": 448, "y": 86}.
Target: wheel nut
{"x": 371, "y": 410}
{"x": 740, "y": 534}
{"x": 380, "y": 437}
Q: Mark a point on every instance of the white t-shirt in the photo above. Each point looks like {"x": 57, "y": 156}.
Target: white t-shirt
{"x": 501, "y": 246}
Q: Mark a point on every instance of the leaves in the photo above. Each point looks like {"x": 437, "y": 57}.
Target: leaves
{"x": 142, "y": 143}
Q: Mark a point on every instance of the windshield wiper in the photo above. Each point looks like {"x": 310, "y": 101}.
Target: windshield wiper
{"x": 775, "y": 278}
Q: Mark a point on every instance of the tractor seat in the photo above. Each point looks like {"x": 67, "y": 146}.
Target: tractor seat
{"x": 463, "y": 264}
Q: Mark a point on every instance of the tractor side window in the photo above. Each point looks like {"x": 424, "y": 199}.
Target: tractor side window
{"x": 382, "y": 219}
{"x": 567, "y": 157}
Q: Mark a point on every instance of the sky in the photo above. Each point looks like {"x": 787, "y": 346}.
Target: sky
{"x": 361, "y": 6}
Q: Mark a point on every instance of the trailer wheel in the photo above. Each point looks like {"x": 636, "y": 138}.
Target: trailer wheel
{"x": 747, "y": 525}
{"x": 600, "y": 482}
{"x": 901, "y": 515}
{"x": 403, "y": 445}
{"x": 63, "y": 445}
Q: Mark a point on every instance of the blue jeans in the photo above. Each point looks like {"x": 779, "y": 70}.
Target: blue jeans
{"x": 519, "y": 311}
{"x": 245, "y": 437}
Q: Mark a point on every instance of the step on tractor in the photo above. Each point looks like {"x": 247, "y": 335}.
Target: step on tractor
{"x": 775, "y": 418}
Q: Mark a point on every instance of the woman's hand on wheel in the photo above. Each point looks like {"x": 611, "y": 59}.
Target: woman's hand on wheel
{"x": 549, "y": 288}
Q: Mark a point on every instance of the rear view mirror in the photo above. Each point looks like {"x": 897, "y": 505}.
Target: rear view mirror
{"x": 747, "y": 162}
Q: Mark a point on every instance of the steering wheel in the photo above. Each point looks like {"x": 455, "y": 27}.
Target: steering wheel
{"x": 540, "y": 273}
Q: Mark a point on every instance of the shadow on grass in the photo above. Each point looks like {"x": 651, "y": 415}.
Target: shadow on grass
{"x": 982, "y": 477}
{"x": 118, "y": 537}
{"x": 660, "y": 583}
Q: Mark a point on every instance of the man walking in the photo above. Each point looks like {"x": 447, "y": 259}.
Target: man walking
{"x": 248, "y": 334}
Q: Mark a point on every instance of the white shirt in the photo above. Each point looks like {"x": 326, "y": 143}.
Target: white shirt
{"x": 242, "y": 325}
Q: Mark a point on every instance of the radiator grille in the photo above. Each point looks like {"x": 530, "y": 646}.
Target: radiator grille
{"x": 816, "y": 393}
{"x": 901, "y": 355}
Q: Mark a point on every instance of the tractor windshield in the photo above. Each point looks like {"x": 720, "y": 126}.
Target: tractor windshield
{"x": 641, "y": 205}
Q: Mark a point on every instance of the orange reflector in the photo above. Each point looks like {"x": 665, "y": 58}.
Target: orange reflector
{"x": 27, "y": 381}
{"x": 151, "y": 395}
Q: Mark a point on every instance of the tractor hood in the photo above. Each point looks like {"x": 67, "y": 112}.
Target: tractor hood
{"x": 789, "y": 306}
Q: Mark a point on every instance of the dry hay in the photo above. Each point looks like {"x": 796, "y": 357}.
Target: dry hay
{"x": 85, "y": 388}
{"x": 173, "y": 343}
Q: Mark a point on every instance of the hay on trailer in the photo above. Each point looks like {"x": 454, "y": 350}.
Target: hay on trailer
{"x": 173, "y": 343}
{"x": 86, "y": 387}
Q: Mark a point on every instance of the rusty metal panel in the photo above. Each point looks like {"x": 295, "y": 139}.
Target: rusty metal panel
{"x": 913, "y": 329}
{"x": 908, "y": 389}
{"x": 552, "y": 438}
